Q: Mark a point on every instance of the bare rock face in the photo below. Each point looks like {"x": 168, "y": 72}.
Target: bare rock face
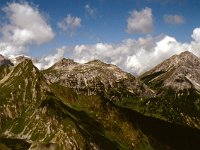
{"x": 179, "y": 72}
{"x": 95, "y": 77}
{"x": 65, "y": 64}
{"x": 177, "y": 82}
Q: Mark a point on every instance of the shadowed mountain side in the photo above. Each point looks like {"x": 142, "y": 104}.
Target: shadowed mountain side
{"x": 91, "y": 129}
{"x": 174, "y": 136}
{"x": 13, "y": 144}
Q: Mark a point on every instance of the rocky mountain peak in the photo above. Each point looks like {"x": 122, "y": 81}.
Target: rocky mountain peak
{"x": 64, "y": 64}
{"x": 179, "y": 72}
{"x": 25, "y": 62}
{"x": 188, "y": 58}
{"x": 94, "y": 77}
{"x": 186, "y": 54}
{"x": 176, "y": 82}
{"x": 96, "y": 62}
{"x": 18, "y": 59}
{"x": 183, "y": 60}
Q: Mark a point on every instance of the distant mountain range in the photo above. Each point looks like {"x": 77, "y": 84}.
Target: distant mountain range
{"x": 98, "y": 106}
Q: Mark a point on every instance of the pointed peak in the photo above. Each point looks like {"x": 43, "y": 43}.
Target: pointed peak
{"x": 24, "y": 67}
{"x": 187, "y": 54}
{"x": 18, "y": 59}
{"x": 96, "y": 62}
{"x": 64, "y": 63}
{"x": 186, "y": 58}
{"x": 26, "y": 62}
{"x": 67, "y": 61}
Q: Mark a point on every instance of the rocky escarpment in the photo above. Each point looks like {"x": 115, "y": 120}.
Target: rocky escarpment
{"x": 177, "y": 82}
{"x": 96, "y": 77}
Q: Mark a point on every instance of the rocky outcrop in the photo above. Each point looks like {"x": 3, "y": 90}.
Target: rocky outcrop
{"x": 96, "y": 77}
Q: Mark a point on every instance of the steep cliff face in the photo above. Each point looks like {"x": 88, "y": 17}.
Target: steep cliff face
{"x": 177, "y": 82}
{"x": 96, "y": 77}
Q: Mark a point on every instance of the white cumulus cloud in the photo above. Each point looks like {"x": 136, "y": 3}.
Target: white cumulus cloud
{"x": 69, "y": 24}
{"x": 140, "y": 21}
{"x": 132, "y": 55}
{"x": 196, "y": 34}
{"x": 25, "y": 25}
{"x": 136, "y": 55}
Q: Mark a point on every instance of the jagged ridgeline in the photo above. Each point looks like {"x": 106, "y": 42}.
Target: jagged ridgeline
{"x": 83, "y": 106}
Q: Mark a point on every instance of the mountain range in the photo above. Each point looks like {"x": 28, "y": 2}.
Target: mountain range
{"x": 97, "y": 106}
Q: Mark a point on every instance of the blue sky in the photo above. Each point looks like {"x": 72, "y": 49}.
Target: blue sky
{"x": 110, "y": 21}
{"x": 104, "y": 21}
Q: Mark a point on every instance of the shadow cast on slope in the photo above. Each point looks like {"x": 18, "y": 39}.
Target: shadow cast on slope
{"x": 13, "y": 144}
{"x": 173, "y": 136}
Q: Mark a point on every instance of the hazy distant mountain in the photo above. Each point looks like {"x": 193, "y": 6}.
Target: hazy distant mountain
{"x": 82, "y": 106}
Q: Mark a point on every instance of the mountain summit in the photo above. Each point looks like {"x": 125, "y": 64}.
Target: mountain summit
{"x": 177, "y": 82}
{"x": 179, "y": 72}
{"x": 95, "y": 77}
{"x": 64, "y": 64}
